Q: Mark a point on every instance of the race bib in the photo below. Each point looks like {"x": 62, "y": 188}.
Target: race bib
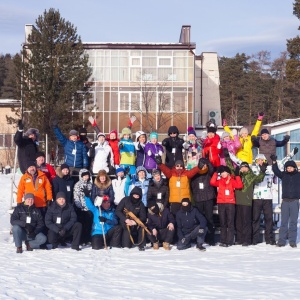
{"x": 177, "y": 183}
{"x": 58, "y": 220}
{"x": 227, "y": 193}
{"x": 173, "y": 150}
{"x": 28, "y": 220}
{"x": 158, "y": 195}
{"x": 201, "y": 185}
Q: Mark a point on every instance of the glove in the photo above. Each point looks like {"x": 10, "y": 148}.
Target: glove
{"x": 149, "y": 152}
{"x": 49, "y": 202}
{"x": 263, "y": 167}
{"x": 226, "y": 152}
{"x": 202, "y": 162}
{"x": 295, "y": 150}
{"x": 237, "y": 171}
{"x": 224, "y": 123}
{"x": 158, "y": 159}
{"x": 286, "y": 138}
{"x": 160, "y": 153}
{"x": 260, "y": 116}
{"x": 121, "y": 146}
{"x": 201, "y": 230}
{"x": 54, "y": 123}
{"x": 273, "y": 157}
{"x": 92, "y": 121}
{"x": 62, "y": 232}
{"x": 131, "y": 120}
{"x": 31, "y": 235}
{"x": 94, "y": 145}
{"x": 20, "y": 125}
{"x": 86, "y": 192}
{"x": 164, "y": 143}
{"x": 98, "y": 201}
{"x": 29, "y": 228}
{"x": 102, "y": 219}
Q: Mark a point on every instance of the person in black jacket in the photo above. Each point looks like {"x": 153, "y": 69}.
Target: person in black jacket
{"x": 134, "y": 204}
{"x": 158, "y": 189}
{"x": 63, "y": 182}
{"x": 204, "y": 196}
{"x": 161, "y": 223}
{"x": 27, "y": 225}
{"x": 191, "y": 225}
{"x": 61, "y": 220}
{"x": 27, "y": 145}
{"x": 290, "y": 201}
{"x": 174, "y": 146}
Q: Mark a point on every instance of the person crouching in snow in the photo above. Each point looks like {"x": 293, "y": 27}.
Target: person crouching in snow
{"x": 161, "y": 224}
{"x": 101, "y": 155}
{"x": 152, "y": 149}
{"x": 290, "y": 201}
{"x": 193, "y": 149}
{"x": 105, "y": 227}
{"x": 191, "y": 225}
{"x": 226, "y": 185}
{"x": 134, "y": 204}
{"x": 127, "y": 151}
{"x": 27, "y": 225}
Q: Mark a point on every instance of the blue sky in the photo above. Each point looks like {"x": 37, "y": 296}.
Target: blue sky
{"x": 223, "y": 26}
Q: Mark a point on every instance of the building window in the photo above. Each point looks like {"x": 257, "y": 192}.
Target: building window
{"x": 135, "y": 61}
{"x": 295, "y": 142}
{"x": 164, "y": 61}
{"x": 280, "y": 151}
{"x": 130, "y": 101}
{"x": 6, "y": 140}
{"x": 164, "y": 102}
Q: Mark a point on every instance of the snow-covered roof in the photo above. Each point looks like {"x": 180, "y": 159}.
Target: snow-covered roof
{"x": 282, "y": 122}
{"x": 9, "y": 102}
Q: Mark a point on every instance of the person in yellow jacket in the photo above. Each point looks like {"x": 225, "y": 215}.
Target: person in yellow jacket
{"x": 37, "y": 183}
{"x": 245, "y": 152}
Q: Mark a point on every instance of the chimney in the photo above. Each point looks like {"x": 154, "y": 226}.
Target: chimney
{"x": 185, "y": 34}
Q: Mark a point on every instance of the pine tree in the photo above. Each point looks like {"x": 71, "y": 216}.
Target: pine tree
{"x": 53, "y": 69}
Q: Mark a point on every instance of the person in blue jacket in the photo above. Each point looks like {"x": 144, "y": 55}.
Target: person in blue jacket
{"x": 105, "y": 222}
{"x": 191, "y": 225}
{"x": 74, "y": 150}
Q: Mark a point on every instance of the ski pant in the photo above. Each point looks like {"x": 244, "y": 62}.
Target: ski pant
{"x": 19, "y": 234}
{"x": 289, "y": 218}
{"x": 86, "y": 219}
{"x": 266, "y": 206}
{"x": 136, "y": 232}
{"x": 243, "y": 224}
{"x": 226, "y": 215}
{"x": 54, "y": 238}
{"x": 188, "y": 238}
{"x": 163, "y": 235}
{"x": 113, "y": 238}
{"x": 206, "y": 208}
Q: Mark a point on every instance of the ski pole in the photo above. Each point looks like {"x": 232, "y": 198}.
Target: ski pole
{"x": 102, "y": 224}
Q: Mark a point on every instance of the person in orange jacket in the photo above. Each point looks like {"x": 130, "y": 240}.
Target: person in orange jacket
{"x": 35, "y": 182}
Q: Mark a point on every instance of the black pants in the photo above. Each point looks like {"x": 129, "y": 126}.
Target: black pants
{"x": 226, "y": 216}
{"x": 163, "y": 235}
{"x": 86, "y": 219}
{"x": 206, "y": 208}
{"x": 137, "y": 234}
{"x": 243, "y": 224}
{"x": 265, "y": 206}
{"x": 113, "y": 238}
{"x": 75, "y": 231}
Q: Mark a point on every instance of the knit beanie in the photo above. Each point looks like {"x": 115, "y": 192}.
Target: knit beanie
{"x": 64, "y": 166}
{"x": 243, "y": 130}
{"x": 82, "y": 130}
{"x": 264, "y": 130}
{"x": 39, "y": 153}
{"x": 120, "y": 170}
{"x": 73, "y": 132}
{"x": 28, "y": 196}
{"x": 244, "y": 164}
{"x": 125, "y": 130}
{"x": 225, "y": 134}
{"x": 153, "y": 135}
{"x": 191, "y": 130}
{"x": 100, "y": 134}
{"x": 60, "y": 195}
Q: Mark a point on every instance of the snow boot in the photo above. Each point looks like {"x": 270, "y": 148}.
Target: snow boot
{"x": 155, "y": 246}
{"x": 28, "y": 248}
{"x": 142, "y": 248}
{"x": 19, "y": 250}
{"x": 166, "y": 246}
{"x": 293, "y": 245}
{"x": 200, "y": 247}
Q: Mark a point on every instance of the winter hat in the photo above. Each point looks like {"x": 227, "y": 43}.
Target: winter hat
{"x": 114, "y": 131}
{"x": 64, "y": 166}
{"x": 179, "y": 162}
{"x": 211, "y": 129}
{"x": 151, "y": 203}
{"x": 32, "y": 131}
{"x": 138, "y": 134}
{"x": 105, "y": 198}
{"x": 153, "y": 135}
{"x": 290, "y": 163}
{"x": 155, "y": 171}
{"x": 173, "y": 129}
{"x": 28, "y": 196}
{"x": 82, "y": 130}
{"x": 120, "y": 170}
{"x": 60, "y": 195}
{"x": 85, "y": 173}
{"x": 100, "y": 134}
{"x": 29, "y": 163}
{"x": 260, "y": 156}
{"x": 140, "y": 168}
{"x": 243, "y": 130}
{"x": 39, "y": 153}
{"x": 191, "y": 130}
{"x": 264, "y": 130}
{"x": 73, "y": 132}
{"x": 225, "y": 134}
{"x": 244, "y": 164}
{"x": 186, "y": 200}
{"x": 125, "y": 130}
{"x": 222, "y": 169}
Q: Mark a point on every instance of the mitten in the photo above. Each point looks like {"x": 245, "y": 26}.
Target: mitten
{"x": 86, "y": 192}
{"x": 121, "y": 146}
{"x": 260, "y": 116}
{"x": 237, "y": 171}
{"x": 98, "y": 201}
{"x": 273, "y": 157}
{"x": 158, "y": 159}
{"x": 263, "y": 167}
{"x": 149, "y": 152}
{"x": 224, "y": 123}
{"x": 286, "y": 138}
{"x": 102, "y": 219}
{"x": 131, "y": 121}
{"x": 20, "y": 125}
{"x": 295, "y": 150}
{"x": 226, "y": 152}
{"x": 92, "y": 121}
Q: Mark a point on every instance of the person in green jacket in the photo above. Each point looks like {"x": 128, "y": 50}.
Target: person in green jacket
{"x": 244, "y": 203}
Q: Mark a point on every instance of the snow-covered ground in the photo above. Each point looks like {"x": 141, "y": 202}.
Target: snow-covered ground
{"x": 255, "y": 272}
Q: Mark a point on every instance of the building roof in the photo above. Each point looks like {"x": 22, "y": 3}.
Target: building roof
{"x": 283, "y": 125}
{"x": 10, "y": 102}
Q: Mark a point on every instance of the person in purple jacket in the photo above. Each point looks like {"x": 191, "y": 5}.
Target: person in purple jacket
{"x": 152, "y": 149}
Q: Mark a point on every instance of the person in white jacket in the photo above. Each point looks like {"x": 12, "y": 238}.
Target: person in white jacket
{"x": 101, "y": 154}
{"x": 120, "y": 185}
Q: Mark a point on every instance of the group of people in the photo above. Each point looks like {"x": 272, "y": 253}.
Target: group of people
{"x": 124, "y": 195}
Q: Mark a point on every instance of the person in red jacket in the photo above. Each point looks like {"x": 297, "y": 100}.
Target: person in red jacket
{"x": 212, "y": 146}
{"x": 226, "y": 201}
{"x": 47, "y": 169}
